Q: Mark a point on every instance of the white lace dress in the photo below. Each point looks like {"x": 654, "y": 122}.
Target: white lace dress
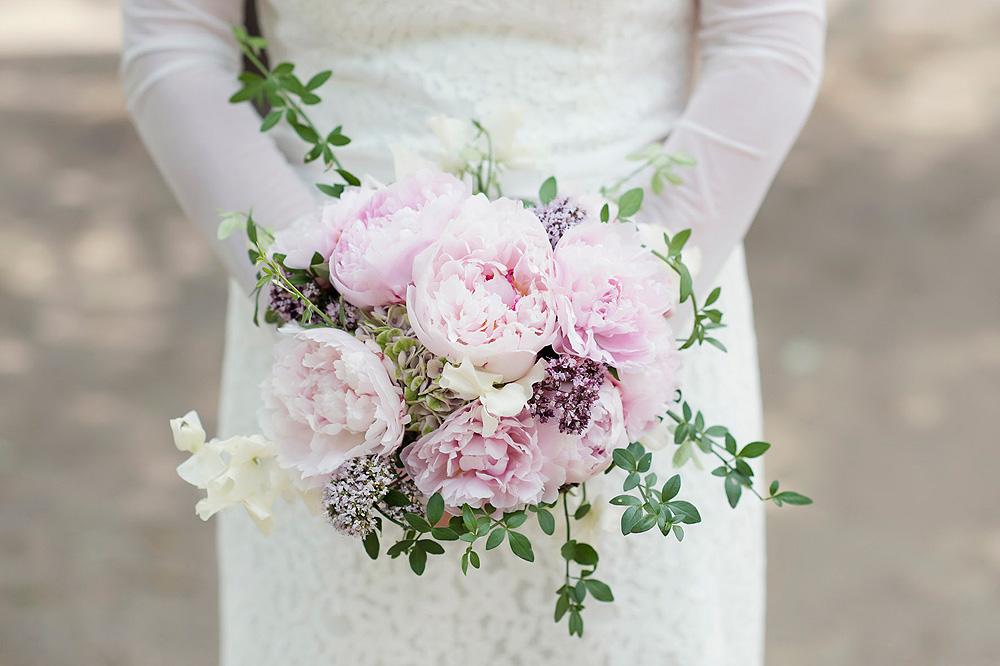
{"x": 597, "y": 81}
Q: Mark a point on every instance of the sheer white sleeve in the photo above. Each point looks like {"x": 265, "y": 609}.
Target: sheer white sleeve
{"x": 179, "y": 67}
{"x": 760, "y": 68}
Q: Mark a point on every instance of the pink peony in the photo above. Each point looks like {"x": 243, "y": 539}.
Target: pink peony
{"x": 584, "y": 456}
{"x": 482, "y": 291}
{"x": 320, "y": 230}
{"x": 372, "y": 262}
{"x": 648, "y": 392}
{"x": 612, "y": 296}
{"x": 329, "y": 398}
{"x": 509, "y": 469}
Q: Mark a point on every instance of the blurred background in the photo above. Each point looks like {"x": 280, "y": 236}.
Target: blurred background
{"x": 875, "y": 264}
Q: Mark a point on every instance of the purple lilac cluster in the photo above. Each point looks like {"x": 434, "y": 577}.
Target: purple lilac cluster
{"x": 558, "y": 216}
{"x": 568, "y": 392}
{"x": 290, "y": 308}
{"x": 354, "y": 494}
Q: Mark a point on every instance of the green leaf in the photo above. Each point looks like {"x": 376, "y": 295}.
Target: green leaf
{"x": 689, "y": 513}
{"x": 626, "y": 500}
{"x": 318, "y": 80}
{"x": 717, "y": 431}
{"x": 444, "y": 534}
{"x": 332, "y": 190}
{"x": 657, "y": 183}
{"x": 624, "y": 459}
{"x": 396, "y": 498}
{"x": 547, "y": 192}
{"x": 417, "y": 522}
{"x": 465, "y": 563}
{"x": 718, "y": 345}
{"x": 228, "y": 226}
{"x": 774, "y": 486}
{"x": 515, "y": 520}
{"x": 789, "y": 497}
{"x": 575, "y": 623}
{"x": 418, "y": 560}
{"x": 631, "y": 481}
{"x": 435, "y": 509}
{"x": 283, "y": 68}
{"x": 678, "y": 532}
{"x": 495, "y": 538}
{"x": 646, "y": 523}
{"x": 521, "y": 546}
{"x": 754, "y": 450}
{"x": 713, "y": 297}
{"x": 682, "y": 455}
{"x": 349, "y": 177}
{"x": 605, "y": 213}
{"x": 562, "y": 605}
{"x": 733, "y": 491}
{"x": 585, "y": 554}
{"x": 338, "y": 140}
{"x": 678, "y": 241}
{"x": 399, "y": 547}
{"x": 305, "y": 133}
{"x": 630, "y": 203}
{"x": 630, "y": 518}
{"x": 474, "y": 559}
{"x": 599, "y": 590}
{"x": 568, "y": 550}
{"x": 468, "y": 517}
{"x": 546, "y": 521}
{"x": 643, "y": 465}
{"x": 371, "y": 545}
{"x": 730, "y": 444}
{"x": 581, "y": 511}
{"x": 432, "y": 547}
{"x": 270, "y": 120}
{"x": 671, "y": 488}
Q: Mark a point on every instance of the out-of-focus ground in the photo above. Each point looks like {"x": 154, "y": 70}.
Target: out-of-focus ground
{"x": 876, "y": 269}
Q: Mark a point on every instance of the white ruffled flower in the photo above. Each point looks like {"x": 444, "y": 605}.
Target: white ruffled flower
{"x": 238, "y": 470}
{"x": 471, "y": 383}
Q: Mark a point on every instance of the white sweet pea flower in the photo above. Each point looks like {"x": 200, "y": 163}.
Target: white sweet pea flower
{"x": 471, "y": 383}
{"x": 455, "y": 135}
{"x": 238, "y": 470}
{"x": 406, "y": 161}
{"x": 459, "y": 140}
{"x": 205, "y": 462}
{"x": 600, "y": 520}
{"x": 658, "y": 437}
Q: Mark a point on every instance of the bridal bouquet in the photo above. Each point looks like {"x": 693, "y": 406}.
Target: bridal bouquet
{"x": 452, "y": 363}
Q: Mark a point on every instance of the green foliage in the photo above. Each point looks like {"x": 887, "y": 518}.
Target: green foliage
{"x": 281, "y": 89}
{"x": 548, "y": 191}
{"x": 690, "y": 431}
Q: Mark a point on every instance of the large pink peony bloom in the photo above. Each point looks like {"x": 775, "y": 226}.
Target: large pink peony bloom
{"x": 509, "y": 469}
{"x": 372, "y": 262}
{"x": 611, "y": 296}
{"x": 648, "y": 392}
{"x": 581, "y": 457}
{"x": 320, "y": 230}
{"x": 329, "y": 398}
{"x": 482, "y": 291}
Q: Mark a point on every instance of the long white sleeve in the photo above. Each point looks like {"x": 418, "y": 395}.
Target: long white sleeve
{"x": 179, "y": 67}
{"x": 761, "y": 64}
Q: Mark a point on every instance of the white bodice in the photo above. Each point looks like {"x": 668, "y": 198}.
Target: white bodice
{"x": 598, "y": 79}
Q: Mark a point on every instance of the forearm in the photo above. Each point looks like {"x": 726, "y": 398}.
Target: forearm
{"x": 760, "y": 71}
{"x": 179, "y": 68}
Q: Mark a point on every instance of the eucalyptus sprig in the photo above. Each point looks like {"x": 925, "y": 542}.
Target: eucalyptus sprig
{"x": 571, "y": 595}
{"x": 287, "y": 96}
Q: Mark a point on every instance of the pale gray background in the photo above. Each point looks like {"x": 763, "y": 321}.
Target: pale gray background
{"x": 875, "y": 269}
